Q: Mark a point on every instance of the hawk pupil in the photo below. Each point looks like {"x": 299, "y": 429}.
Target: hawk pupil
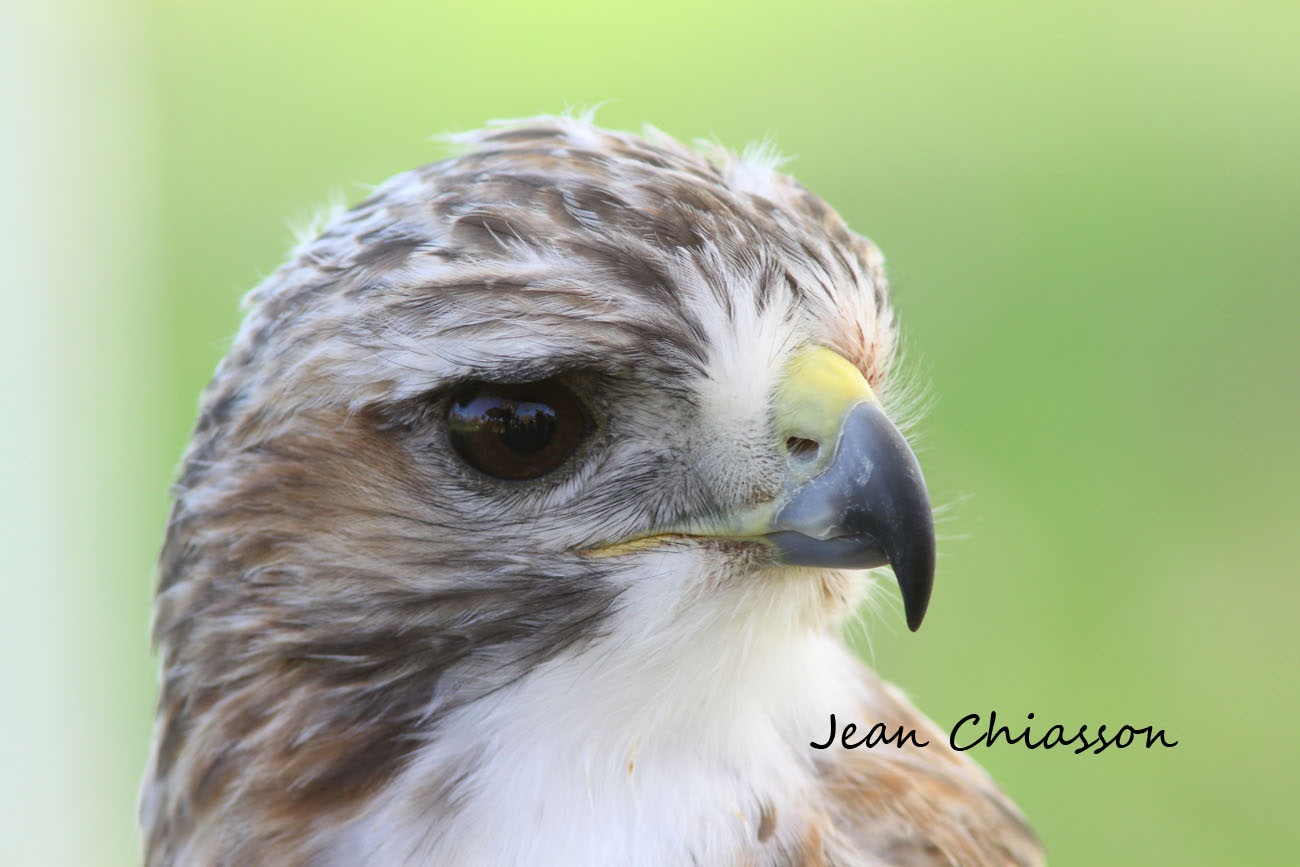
{"x": 527, "y": 426}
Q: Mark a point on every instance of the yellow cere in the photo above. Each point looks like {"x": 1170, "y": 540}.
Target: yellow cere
{"x": 817, "y": 390}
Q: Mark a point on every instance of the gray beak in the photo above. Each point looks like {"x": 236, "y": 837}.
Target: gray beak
{"x": 869, "y": 508}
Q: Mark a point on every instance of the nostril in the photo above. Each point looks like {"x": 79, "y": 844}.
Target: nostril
{"x": 802, "y": 449}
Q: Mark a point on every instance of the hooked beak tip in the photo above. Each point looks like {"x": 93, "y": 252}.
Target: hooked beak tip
{"x": 915, "y": 587}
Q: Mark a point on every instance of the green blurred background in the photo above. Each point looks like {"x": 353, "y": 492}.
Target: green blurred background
{"x": 1090, "y": 213}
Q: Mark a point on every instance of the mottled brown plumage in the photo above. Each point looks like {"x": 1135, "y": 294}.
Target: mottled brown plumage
{"x": 373, "y": 654}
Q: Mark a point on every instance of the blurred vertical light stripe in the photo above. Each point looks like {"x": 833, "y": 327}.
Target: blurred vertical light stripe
{"x": 79, "y": 348}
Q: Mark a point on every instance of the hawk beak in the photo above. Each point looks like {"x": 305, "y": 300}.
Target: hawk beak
{"x": 854, "y": 496}
{"x": 860, "y": 501}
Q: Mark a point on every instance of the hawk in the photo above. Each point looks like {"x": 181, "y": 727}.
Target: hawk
{"x": 519, "y": 523}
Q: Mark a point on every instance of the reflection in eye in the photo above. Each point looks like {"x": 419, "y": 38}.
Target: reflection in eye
{"x": 516, "y": 431}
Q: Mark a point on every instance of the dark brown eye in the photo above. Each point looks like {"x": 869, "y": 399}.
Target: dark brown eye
{"x": 515, "y": 431}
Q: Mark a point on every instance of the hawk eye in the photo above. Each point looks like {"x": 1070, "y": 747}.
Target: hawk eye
{"x": 515, "y": 431}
